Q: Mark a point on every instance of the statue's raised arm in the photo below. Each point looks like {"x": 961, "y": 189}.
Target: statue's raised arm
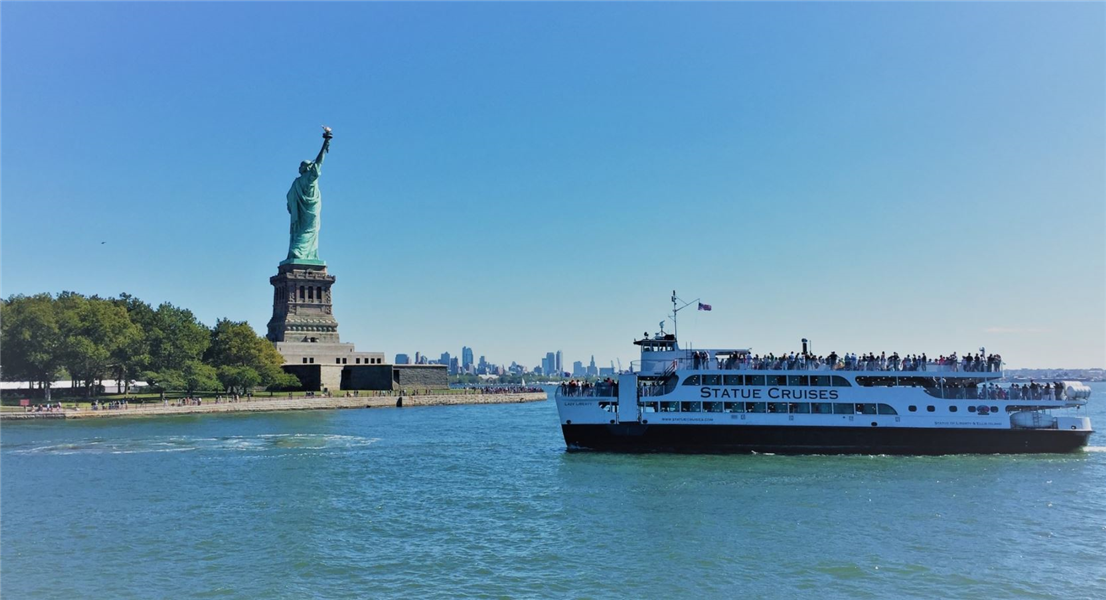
{"x": 327, "y": 135}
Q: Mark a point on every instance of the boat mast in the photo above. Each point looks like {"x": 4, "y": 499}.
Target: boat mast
{"x": 675, "y": 300}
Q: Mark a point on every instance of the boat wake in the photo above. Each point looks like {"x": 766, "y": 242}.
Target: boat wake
{"x": 256, "y": 443}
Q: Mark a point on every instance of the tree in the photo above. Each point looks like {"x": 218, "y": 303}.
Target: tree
{"x": 132, "y": 359}
{"x": 163, "y": 381}
{"x": 235, "y": 346}
{"x": 237, "y": 379}
{"x": 285, "y": 382}
{"x": 176, "y": 337}
{"x": 98, "y": 335}
{"x": 31, "y": 340}
{"x": 198, "y": 376}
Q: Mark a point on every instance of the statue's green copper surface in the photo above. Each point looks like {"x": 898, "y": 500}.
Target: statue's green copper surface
{"x": 305, "y": 205}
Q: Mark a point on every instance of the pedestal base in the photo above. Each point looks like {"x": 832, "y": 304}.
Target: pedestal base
{"x": 302, "y": 311}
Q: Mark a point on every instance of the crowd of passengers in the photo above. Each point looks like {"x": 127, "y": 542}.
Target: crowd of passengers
{"x": 573, "y": 387}
{"x": 1030, "y": 391}
{"x": 979, "y": 362}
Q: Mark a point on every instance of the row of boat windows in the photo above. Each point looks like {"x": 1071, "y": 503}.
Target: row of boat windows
{"x": 802, "y": 408}
{"x": 773, "y": 380}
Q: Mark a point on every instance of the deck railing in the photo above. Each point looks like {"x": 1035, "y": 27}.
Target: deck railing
{"x": 716, "y": 364}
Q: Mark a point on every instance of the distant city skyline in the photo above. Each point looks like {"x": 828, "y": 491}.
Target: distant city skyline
{"x": 486, "y": 367}
{"x": 528, "y": 177}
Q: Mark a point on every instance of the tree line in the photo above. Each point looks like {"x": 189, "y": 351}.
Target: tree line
{"x": 44, "y": 338}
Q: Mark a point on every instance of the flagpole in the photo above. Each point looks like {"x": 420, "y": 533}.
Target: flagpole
{"x": 675, "y": 311}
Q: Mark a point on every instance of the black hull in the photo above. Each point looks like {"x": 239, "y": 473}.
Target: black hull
{"x": 737, "y": 439}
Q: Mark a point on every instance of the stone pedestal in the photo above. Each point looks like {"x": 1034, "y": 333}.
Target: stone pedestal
{"x": 302, "y": 311}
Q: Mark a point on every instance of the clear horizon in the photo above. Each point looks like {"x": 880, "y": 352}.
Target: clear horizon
{"x": 532, "y": 177}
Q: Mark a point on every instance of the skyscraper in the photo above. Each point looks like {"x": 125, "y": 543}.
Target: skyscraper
{"x": 466, "y": 359}
{"x": 550, "y": 363}
{"x": 560, "y": 363}
{"x": 445, "y": 360}
{"x": 403, "y": 359}
{"x": 578, "y": 369}
{"x": 592, "y": 370}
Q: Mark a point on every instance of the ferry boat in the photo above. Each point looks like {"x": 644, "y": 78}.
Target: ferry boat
{"x": 728, "y": 400}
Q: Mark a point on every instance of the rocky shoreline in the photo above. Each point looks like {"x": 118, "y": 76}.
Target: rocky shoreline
{"x": 277, "y": 404}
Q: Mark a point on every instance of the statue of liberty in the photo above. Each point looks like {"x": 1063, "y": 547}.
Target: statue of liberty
{"x": 305, "y": 204}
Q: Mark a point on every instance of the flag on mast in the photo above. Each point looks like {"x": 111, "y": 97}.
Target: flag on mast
{"x": 704, "y": 306}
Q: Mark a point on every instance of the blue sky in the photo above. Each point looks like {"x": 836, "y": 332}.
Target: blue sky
{"x": 529, "y": 177}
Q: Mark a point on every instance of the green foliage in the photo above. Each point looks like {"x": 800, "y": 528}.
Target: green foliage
{"x": 31, "y": 340}
{"x": 99, "y": 335}
{"x": 236, "y": 345}
{"x": 92, "y": 338}
{"x": 285, "y": 382}
{"x": 176, "y": 337}
{"x": 238, "y": 379}
{"x": 164, "y": 381}
{"x": 197, "y": 376}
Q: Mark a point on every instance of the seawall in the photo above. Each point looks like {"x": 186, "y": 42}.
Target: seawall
{"x": 275, "y": 404}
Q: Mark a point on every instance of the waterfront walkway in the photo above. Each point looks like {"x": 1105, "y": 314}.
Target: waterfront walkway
{"x": 284, "y": 403}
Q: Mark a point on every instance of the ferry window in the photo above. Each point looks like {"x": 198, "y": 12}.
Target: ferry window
{"x": 994, "y": 409}
{"x": 735, "y": 407}
{"x": 693, "y": 380}
{"x": 875, "y": 381}
{"x": 821, "y": 408}
{"x": 649, "y": 407}
{"x": 843, "y": 409}
{"x": 754, "y": 407}
{"x": 691, "y": 407}
{"x": 754, "y": 380}
{"x": 952, "y": 408}
{"x": 797, "y": 380}
{"x": 930, "y": 408}
{"x": 886, "y": 409}
{"x": 712, "y": 380}
{"x": 839, "y": 381}
{"x": 777, "y": 380}
{"x": 820, "y": 380}
{"x": 712, "y": 406}
{"x": 732, "y": 380}
{"x": 971, "y": 409}
{"x": 777, "y": 407}
{"x": 801, "y": 408}
{"x": 868, "y": 409}
{"x": 670, "y": 407}
{"x": 912, "y": 408}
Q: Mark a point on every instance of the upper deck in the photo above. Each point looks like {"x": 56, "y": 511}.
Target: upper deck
{"x": 661, "y": 355}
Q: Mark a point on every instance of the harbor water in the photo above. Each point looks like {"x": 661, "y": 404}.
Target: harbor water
{"x": 441, "y": 502}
